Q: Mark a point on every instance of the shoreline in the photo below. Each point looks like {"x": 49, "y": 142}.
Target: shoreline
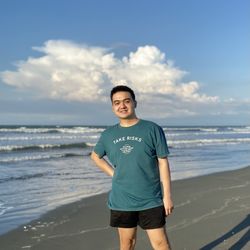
{"x": 211, "y": 212}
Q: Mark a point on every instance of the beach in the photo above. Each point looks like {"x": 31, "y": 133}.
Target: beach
{"x": 211, "y": 212}
{"x": 45, "y": 167}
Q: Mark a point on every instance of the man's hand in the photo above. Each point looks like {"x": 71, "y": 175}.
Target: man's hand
{"x": 169, "y": 206}
{"x": 102, "y": 164}
{"x": 166, "y": 184}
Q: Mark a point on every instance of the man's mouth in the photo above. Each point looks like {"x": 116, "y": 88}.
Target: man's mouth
{"x": 123, "y": 111}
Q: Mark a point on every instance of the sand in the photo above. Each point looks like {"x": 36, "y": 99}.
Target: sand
{"x": 211, "y": 212}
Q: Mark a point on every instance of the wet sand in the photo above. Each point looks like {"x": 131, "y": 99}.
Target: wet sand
{"x": 211, "y": 212}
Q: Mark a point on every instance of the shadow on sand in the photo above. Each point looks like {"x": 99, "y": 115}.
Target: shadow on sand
{"x": 240, "y": 243}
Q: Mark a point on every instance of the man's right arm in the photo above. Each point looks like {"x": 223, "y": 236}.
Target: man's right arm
{"x": 102, "y": 164}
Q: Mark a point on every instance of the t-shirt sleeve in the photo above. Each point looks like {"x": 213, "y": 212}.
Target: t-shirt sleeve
{"x": 160, "y": 142}
{"x": 100, "y": 148}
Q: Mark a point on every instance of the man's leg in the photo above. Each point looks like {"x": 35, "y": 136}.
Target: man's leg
{"x": 158, "y": 238}
{"x": 127, "y": 238}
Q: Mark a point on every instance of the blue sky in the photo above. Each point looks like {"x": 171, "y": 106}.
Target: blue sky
{"x": 187, "y": 60}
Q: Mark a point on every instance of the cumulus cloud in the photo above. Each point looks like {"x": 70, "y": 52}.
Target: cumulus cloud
{"x": 77, "y": 72}
{"x": 67, "y": 71}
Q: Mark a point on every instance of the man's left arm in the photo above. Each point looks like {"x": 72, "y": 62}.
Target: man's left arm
{"x": 166, "y": 184}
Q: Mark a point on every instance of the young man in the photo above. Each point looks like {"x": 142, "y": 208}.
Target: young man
{"x": 140, "y": 194}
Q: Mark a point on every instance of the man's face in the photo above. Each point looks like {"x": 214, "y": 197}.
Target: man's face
{"x": 123, "y": 105}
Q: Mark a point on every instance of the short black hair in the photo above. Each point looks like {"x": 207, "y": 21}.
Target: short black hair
{"x": 119, "y": 88}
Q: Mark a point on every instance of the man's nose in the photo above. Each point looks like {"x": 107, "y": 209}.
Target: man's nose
{"x": 123, "y": 104}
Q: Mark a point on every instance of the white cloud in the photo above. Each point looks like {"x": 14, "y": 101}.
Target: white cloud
{"x": 67, "y": 71}
{"x": 77, "y": 72}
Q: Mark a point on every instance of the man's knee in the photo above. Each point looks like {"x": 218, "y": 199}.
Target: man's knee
{"x": 159, "y": 239}
{"x": 160, "y": 244}
{"x": 127, "y": 243}
{"x": 127, "y": 239}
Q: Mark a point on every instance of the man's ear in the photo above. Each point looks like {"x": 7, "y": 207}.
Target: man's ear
{"x": 112, "y": 107}
{"x": 135, "y": 103}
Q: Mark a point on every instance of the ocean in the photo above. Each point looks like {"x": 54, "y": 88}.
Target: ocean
{"x": 43, "y": 167}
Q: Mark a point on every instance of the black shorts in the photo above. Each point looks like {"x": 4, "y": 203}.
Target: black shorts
{"x": 147, "y": 219}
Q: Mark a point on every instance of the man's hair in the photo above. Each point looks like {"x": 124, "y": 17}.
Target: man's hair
{"x": 119, "y": 88}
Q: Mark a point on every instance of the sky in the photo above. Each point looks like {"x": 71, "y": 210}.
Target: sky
{"x": 188, "y": 61}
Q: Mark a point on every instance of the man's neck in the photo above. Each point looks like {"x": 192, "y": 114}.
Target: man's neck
{"x": 128, "y": 122}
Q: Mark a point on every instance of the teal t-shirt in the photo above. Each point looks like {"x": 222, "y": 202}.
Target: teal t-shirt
{"x": 133, "y": 152}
